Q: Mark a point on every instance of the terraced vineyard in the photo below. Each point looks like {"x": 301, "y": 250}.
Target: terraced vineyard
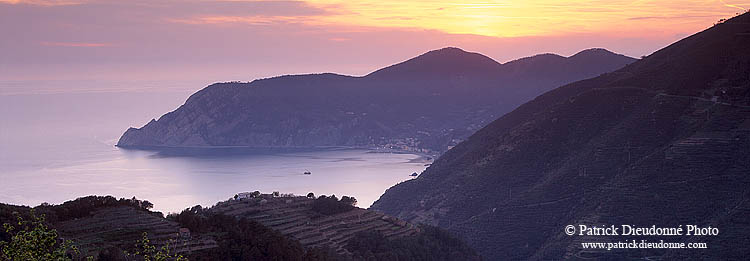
{"x": 121, "y": 227}
{"x": 294, "y": 217}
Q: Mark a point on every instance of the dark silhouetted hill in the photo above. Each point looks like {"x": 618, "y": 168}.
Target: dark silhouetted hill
{"x": 260, "y": 228}
{"x": 664, "y": 141}
{"x": 425, "y": 104}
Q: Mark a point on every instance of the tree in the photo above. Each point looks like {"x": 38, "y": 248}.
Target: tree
{"x": 147, "y": 205}
{"x": 310, "y": 195}
{"x": 331, "y": 205}
{"x": 241, "y": 239}
{"x": 349, "y": 200}
{"x": 147, "y": 251}
{"x": 33, "y": 240}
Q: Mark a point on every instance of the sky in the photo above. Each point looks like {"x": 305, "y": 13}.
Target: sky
{"x": 206, "y": 41}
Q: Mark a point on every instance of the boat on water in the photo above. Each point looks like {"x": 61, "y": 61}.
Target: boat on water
{"x": 307, "y": 172}
{"x": 414, "y": 174}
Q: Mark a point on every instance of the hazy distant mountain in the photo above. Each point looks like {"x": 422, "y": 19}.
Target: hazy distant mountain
{"x": 664, "y": 141}
{"x": 427, "y": 103}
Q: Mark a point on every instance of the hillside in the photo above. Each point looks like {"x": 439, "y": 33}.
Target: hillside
{"x": 120, "y": 227}
{"x": 295, "y": 217}
{"x": 104, "y": 227}
{"x": 425, "y": 104}
{"x": 328, "y": 228}
{"x": 263, "y": 227}
{"x": 664, "y": 141}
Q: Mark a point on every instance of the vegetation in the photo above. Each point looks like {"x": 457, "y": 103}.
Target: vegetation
{"x": 242, "y": 239}
{"x": 235, "y": 238}
{"x": 330, "y": 205}
{"x": 431, "y": 243}
{"x": 27, "y": 230}
{"x": 82, "y": 207}
{"x": 10, "y": 214}
{"x": 34, "y": 240}
{"x": 144, "y": 249}
{"x": 668, "y": 120}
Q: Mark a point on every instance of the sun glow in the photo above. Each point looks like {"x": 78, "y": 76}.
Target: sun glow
{"x": 513, "y": 18}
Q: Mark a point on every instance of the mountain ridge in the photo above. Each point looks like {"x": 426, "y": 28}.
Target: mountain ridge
{"x": 440, "y": 61}
{"x": 394, "y": 108}
{"x": 649, "y": 144}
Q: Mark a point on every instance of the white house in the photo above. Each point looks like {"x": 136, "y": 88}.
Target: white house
{"x": 244, "y": 195}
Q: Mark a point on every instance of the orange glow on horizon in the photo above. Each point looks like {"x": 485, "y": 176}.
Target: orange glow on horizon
{"x": 511, "y": 18}
{"x": 494, "y": 18}
{"x": 355, "y": 37}
{"x": 515, "y": 18}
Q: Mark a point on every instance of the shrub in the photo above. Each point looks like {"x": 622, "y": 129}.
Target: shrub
{"x": 33, "y": 240}
{"x": 331, "y": 205}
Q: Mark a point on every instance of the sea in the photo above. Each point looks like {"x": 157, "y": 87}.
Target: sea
{"x": 57, "y": 143}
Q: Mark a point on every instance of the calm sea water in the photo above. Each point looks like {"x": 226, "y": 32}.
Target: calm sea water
{"x": 58, "y": 146}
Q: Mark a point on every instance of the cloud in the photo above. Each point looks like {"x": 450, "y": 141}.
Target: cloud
{"x": 250, "y": 13}
{"x": 75, "y": 44}
{"x": 339, "y": 39}
{"x": 395, "y": 18}
{"x": 674, "y": 17}
{"x": 515, "y": 18}
{"x": 248, "y": 8}
{"x": 511, "y": 18}
{"x": 267, "y": 38}
{"x": 41, "y": 2}
{"x": 733, "y": 5}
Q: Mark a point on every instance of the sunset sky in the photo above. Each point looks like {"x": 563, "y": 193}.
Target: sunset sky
{"x": 242, "y": 40}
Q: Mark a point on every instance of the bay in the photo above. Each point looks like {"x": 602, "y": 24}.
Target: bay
{"x": 59, "y": 146}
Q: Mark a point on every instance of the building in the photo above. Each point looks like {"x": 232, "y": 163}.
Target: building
{"x": 184, "y": 232}
{"x": 244, "y": 195}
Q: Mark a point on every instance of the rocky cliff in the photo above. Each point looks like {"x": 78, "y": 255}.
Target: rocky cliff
{"x": 425, "y": 104}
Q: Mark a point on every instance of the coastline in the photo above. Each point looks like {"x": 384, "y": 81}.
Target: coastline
{"x": 423, "y": 157}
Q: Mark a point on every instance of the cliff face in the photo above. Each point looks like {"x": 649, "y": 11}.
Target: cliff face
{"x": 427, "y": 104}
{"x": 664, "y": 141}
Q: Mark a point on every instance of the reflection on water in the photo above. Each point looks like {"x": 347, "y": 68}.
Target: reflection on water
{"x": 173, "y": 181}
{"x": 55, "y": 148}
